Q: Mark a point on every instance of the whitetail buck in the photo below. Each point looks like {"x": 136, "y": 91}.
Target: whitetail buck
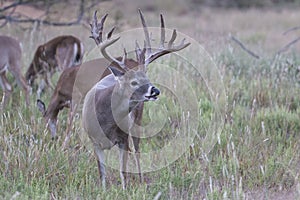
{"x": 10, "y": 60}
{"x": 56, "y": 55}
{"x": 116, "y": 102}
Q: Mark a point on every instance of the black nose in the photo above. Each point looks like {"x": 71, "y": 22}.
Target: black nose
{"x": 154, "y": 91}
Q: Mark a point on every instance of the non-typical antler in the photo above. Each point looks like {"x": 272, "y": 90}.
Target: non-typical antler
{"x": 97, "y": 35}
{"x": 150, "y": 56}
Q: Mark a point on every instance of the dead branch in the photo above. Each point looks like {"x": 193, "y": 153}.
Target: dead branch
{"x": 18, "y": 19}
{"x": 283, "y": 49}
{"x": 287, "y": 46}
{"x": 291, "y": 29}
{"x": 10, "y": 14}
{"x": 244, "y": 47}
{"x": 15, "y": 4}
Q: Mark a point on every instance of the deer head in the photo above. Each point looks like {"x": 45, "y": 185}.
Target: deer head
{"x": 133, "y": 85}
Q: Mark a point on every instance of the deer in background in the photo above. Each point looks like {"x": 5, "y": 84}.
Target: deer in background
{"x": 116, "y": 102}
{"x": 10, "y": 60}
{"x": 56, "y": 55}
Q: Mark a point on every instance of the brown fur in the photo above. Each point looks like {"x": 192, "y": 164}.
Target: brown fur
{"x": 55, "y": 55}
{"x": 10, "y": 60}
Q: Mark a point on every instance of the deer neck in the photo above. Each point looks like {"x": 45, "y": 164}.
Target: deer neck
{"x": 121, "y": 108}
{"x": 121, "y": 102}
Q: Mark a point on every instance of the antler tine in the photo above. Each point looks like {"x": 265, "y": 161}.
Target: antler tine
{"x": 124, "y": 56}
{"x": 140, "y": 55}
{"x": 146, "y": 32}
{"x": 109, "y": 34}
{"x": 182, "y": 45}
{"x": 94, "y": 19}
{"x": 100, "y": 26}
{"x": 161, "y": 50}
{"x": 174, "y": 35}
{"x": 137, "y": 51}
{"x": 162, "y": 31}
{"x": 97, "y": 35}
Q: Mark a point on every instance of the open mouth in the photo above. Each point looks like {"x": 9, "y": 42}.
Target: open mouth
{"x": 154, "y": 92}
{"x": 151, "y": 98}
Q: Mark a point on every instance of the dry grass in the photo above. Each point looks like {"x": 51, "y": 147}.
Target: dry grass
{"x": 256, "y": 155}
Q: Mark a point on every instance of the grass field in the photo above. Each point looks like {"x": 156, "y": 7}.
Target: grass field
{"x": 249, "y": 151}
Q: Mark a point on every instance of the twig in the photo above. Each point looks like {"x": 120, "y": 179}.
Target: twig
{"x": 15, "y": 196}
{"x": 244, "y": 48}
{"x": 291, "y": 29}
{"x": 287, "y": 46}
{"x": 10, "y": 14}
{"x": 283, "y": 49}
{"x": 157, "y": 196}
{"x": 15, "y": 4}
{"x": 44, "y": 22}
{"x": 9, "y": 18}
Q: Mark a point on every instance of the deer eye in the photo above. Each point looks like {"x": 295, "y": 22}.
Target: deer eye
{"x": 134, "y": 83}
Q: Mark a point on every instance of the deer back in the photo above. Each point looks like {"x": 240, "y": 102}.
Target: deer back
{"x": 57, "y": 54}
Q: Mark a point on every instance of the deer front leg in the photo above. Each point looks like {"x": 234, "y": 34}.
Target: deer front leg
{"x": 25, "y": 88}
{"x": 100, "y": 161}
{"x": 48, "y": 80}
{"x": 6, "y": 87}
{"x": 137, "y": 115}
{"x": 15, "y": 70}
{"x": 136, "y": 142}
{"x": 41, "y": 87}
{"x": 44, "y": 81}
{"x": 124, "y": 148}
{"x": 71, "y": 115}
{"x": 52, "y": 126}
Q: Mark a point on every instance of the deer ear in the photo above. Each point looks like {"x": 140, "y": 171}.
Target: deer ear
{"x": 116, "y": 72}
{"x": 42, "y": 50}
{"x": 41, "y": 106}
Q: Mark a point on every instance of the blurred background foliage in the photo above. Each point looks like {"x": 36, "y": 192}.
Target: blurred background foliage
{"x": 245, "y": 3}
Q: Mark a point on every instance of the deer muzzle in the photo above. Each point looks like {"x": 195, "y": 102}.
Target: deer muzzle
{"x": 154, "y": 92}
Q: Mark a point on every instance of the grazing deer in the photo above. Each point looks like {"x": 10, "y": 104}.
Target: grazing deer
{"x": 56, "y": 55}
{"x": 10, "y": 60}
{"x": 116, "y": 101}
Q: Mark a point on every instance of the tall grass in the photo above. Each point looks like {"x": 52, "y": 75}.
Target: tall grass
{"x": 257, "y": 149}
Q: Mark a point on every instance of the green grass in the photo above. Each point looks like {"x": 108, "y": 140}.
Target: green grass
{"x": 257, "y": 148}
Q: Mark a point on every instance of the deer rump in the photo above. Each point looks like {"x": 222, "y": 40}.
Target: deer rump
{"x": 57, "y": 54}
